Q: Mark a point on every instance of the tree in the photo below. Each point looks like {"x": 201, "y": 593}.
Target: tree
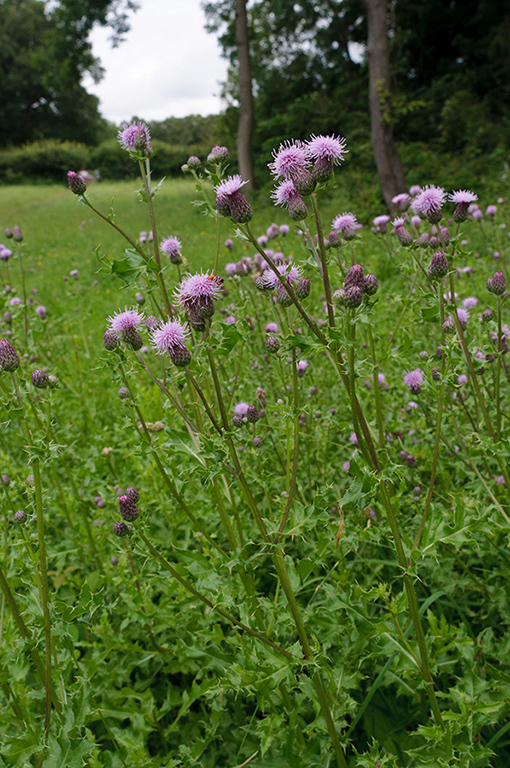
{"x": 246, "y": 106}
{"x": 387, "y": 159}
{"x": 44, "y": 54}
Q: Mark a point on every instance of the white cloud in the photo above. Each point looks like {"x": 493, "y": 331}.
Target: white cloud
{"x": 167, "y": 66}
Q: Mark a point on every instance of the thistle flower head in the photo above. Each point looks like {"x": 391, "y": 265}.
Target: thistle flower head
{"x": 462, "y": 196}
{"x": 217, "y": 155}
{"x": 289, "y": 159}
{"x": 347, "y": 224}
{"x": 76, "y": 183}
{"x": 290, "y": 272}
{"x": 169, "y": 337}
{"x": 285, "y": 193}
{"x": 429, "y": 202}
{"x": 231, "y": 202}
{"x": 136, "y": 138}
{"x": 198, "y": 290}
{"x": 124, "y": 323}
{"x": 401, "y": 200}
{"x": 331, "y": 148}
{"x": 414, "y": 380}
{"x": 230, "y": 186}
{"x": 171, "y": 247}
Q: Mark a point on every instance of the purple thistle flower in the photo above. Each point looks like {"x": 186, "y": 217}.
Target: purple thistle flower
{"x": 291, "y": 274}
{"x": 231, "y": 202}
{"x": 405, "y": 238}
{"x": 401, "y": 200}
{"x": 6, "y": 480}
{"x": 491, "y": 211}
{"x": 380, "y": 222}
{"x": 326, "y": 151}
{"x": 169, "y": 337}
{"x": 429, "y": 202}
{"x": 241, "y": 409}
{"x": 271, "y": 328}
{"x": 463, "y": 316}
{"x": 229, "y": 243}
{"x": 272, "y": 230}
{"x": 414, "y": 380}
{"x": 470, "y": 303}
{"x": 15, "y": 301}
{"x": 462, "y": 198}
{"x": 136, "y": 138}
{"x": 99, "y": 502}
{"x": 171, "y": 247}
{"x": 125, "y": 324}
{"x": 301, "y": 367}
{"x": 18, "y": 235}
{"x": 284, "y": 229}
{"x": 289, "y": 159}
{"x": 287, "y": 194}
{"x": 197, "y": 293}
{"x": 347, "y": 224}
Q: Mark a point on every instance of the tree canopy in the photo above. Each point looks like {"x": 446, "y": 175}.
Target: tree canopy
{"x": 44, "y": 54}
{"x": 450, "y": 68}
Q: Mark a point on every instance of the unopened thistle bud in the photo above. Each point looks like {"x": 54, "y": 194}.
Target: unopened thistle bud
{"x": 128, "y": 508}
{"x": 405, "y": 238}
{"x": 252, "y": 414}
{"x": 272, "y": 344}
{"x": 39, "y": 379}
{"x": 411, "y": 460}
{"x": 17, "y": 234}
{"x": 20, "y": 516}
{"x": 486, "y": 316}
{"x": 193, "y": 163}
{"x": 354, "y": 276}
{"x": 132, "y": 493}
{"x": 76, "y": 183}
{"x": 449, "y": 326}
{"x": 302, "y": 289}
{"x": 498, "y": 283}
{"x": 9, "y": 360}
{"x": 180, "y": 356}
{"x": 123, "y": 393}
{"x": 282, "y": 297}
{"x": 439, "y": 266}
{"x": 353, "y": 296}
{"x": 121, "y": 529}
{"x": 370, "y": 284}
{"x": 133, "y": 338}
{"x": 110, "y": 340}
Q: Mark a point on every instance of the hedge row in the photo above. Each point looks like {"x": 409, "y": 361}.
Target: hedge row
{"x": 49, "y": 160}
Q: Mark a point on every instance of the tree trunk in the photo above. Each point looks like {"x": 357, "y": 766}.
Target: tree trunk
{"x": 246, "y": 106}
{"x": 389, "y": 167}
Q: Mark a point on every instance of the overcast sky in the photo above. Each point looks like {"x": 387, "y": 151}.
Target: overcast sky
{"x": 168, "y": 66}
